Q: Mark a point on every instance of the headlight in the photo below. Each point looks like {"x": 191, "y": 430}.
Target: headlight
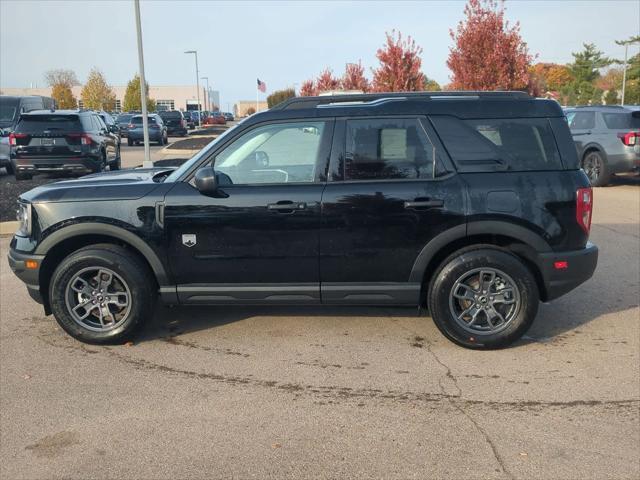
{"x": 23, "y": 215}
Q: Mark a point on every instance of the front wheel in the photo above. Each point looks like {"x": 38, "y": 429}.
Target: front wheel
{"x": 101, "y": 294}
{"x": 483, "y": 299}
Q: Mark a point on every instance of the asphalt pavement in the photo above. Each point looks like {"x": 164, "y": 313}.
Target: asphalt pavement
{"x": 327, "y": 392}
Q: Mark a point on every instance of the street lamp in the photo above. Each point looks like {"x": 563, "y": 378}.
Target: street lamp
{"x": 143, "y": 89}
{"x": 195, "y": 52}
{"x": 207, "y": 98}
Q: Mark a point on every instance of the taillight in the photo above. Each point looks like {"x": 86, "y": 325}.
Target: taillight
{"x": 13, "y": 138}
{"x": 85, "y": 138}
{"x": 584, "y": 208}
{"x": 130, "y": 125}
{"x": 629, "y": 138}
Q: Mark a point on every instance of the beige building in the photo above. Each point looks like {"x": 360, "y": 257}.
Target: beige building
{"x": 241, "y": 108}
{"x": 170, "y": 97}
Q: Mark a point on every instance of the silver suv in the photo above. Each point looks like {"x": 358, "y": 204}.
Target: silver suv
{"x": 607, "y": 139}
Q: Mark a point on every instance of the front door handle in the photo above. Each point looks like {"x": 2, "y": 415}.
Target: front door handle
{"x": 287, "y": 206}
{"x": 417, "y": 204}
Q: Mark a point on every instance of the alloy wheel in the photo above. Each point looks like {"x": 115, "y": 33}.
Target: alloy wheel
{"x": 484, "y": 300}
{"x": 592, "y": 166}
{"x": 98, "y": 299}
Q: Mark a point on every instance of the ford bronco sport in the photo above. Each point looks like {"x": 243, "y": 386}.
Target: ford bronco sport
{"x": 470, "y": 204}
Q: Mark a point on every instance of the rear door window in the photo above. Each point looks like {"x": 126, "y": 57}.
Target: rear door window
{"x": 499, "y": 144}
{"x": 35, "y": 124}
{"x": 581, "y": 120}
{"x": 392, "y": 148}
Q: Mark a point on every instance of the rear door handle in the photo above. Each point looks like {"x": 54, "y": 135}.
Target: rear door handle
{"x": 287, "y": 206}
{"x": 424, "y": 204}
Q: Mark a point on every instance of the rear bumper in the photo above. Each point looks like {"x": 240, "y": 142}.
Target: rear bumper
{"x": 580, "y": 265}
{"x": 57, "y": 164}
{"x": 31, "y": 277}
{"x": 138, "y": 135}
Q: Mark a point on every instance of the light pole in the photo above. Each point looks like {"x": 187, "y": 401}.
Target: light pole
{"x": 195, "y": 52}
{"x": 143, "y": 89}
{"x": 207, "y": 98}
{"x": 626, "y": 43}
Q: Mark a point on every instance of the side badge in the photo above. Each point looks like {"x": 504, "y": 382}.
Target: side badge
{"x": 189, "y": 239}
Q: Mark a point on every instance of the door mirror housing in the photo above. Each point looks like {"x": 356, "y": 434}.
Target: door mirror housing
{"x": 206, "y": 181}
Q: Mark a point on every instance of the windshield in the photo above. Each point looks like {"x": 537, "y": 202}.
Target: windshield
{"x": 198, "y": 156}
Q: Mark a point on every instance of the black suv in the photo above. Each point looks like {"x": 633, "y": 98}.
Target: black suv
{"x": 73, "y": 141}
{"x": 175, "y": 122}
{"x": 470, "y": 204}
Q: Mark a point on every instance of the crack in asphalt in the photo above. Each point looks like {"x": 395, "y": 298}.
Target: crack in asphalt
{"x": 334, "y": 391}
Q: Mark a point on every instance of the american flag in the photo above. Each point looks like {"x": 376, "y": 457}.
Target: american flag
{"x": 262, "y": 86}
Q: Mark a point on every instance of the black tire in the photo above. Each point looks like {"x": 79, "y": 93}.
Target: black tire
{"x": 129, "y": 142}
{"x": 442, "y": 303}
{"x": 9, "y": 168}
{"x": 102, "y": 165}
{"x": 595, "y": 166}
{"x": 117, "y": 162}
{"x": 23, "y": 176}
{"x": 123, "y": 263}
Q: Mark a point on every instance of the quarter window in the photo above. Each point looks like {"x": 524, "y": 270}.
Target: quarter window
{"x": 390, "y": 148}
{"x": 277, "y": 153}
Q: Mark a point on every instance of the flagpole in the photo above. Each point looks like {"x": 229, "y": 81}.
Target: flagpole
{"x": 257, "y": 93}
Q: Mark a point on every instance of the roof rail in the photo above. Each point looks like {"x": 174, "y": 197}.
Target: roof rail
{"x": 370, "y": 99}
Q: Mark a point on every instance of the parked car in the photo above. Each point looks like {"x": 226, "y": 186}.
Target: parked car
{"x": 607, "y": 139}
{"x": 174, "y": 120}
{"x": 10, "y": 109}
{"x": 216, "y": 118}
{"x": 189, "y": 119}
{"x": 73, "y": 141}
{"x": 110, "y": 122}
{"x": 229, "y": 116}
{"x": 157, "y": 130}
{"x": 122, "y": 121}
{"x": 472, "y": 205}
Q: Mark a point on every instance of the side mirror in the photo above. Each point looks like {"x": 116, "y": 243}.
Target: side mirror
{"x": 206, "y": 181}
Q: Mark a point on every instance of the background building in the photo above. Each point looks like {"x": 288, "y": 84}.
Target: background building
{"x": 241, "y": 108}
{"x": 167, "y": 97}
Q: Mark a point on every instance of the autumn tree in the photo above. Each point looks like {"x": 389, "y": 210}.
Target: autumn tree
{"x": 489, "y": 53}
{"x": 308, "y": 89}
{"x": 354, "y": 78}
{"x": 399, "y": 69}
{"x": 327, "y": 82}
{"x": 280, "y": 96}
{"x": 132, "y": 96}
{"x": 61, "y": 81}
{"x": 550, "y": 76}
{"x": 96, "y": 93}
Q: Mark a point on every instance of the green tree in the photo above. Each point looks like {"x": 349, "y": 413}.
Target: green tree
{"x": 632, "y": 89}
{"x": 587, "y": 63}
{"x": 280, "y": 96}
{"x": 96, "y": 93}
{"x": 431, "y": 85}
{"x": 132, "y": 96}
{"x": 611, "y": 97}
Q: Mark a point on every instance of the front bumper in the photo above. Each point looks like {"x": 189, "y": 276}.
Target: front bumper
{"x": 31, "y": 277}
{"x": 580, "y": 265}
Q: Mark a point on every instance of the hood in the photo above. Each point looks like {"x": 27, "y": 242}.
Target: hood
{"x": 108, "y": 186}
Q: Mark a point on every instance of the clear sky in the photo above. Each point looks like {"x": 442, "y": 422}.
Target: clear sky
{"x": 282, "y": 43}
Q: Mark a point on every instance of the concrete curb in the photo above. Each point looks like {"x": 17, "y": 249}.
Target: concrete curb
{"x": 8, "y": 228}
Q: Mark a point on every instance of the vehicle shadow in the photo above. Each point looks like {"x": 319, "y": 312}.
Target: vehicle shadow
{"x": 612, "y": 289}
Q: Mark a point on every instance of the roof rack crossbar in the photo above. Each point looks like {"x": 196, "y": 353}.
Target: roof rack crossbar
{"x": 332, "y": 100}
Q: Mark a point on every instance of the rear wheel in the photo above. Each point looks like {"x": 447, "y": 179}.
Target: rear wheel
{"x": 9, "y": 168}
{"x": 483, "y": 298}
{"x": 129, "y": 142}
{"x": 101, "y": 294}
{"x": 595, "y": 166}
{"x": 102, "y": 164}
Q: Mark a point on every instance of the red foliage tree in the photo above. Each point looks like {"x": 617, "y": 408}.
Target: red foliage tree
{"x": 327, "y": 82}
{"x": 308, "y": 89}
{"x": 354, "y": 79}
{"x": 489, "y": 54}
{"x": 399, "y": 69}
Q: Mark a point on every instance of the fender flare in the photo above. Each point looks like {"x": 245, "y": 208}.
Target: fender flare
{"x": 459, "y": 232}
{"x": 118, "y": 233}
